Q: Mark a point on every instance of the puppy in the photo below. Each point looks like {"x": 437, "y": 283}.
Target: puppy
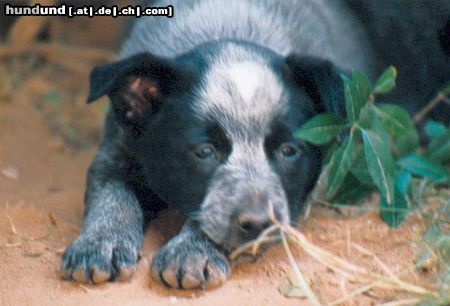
{"x": 203, "y": 108}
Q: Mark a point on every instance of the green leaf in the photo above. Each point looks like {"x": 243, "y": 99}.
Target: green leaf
{"x": 408, "y": 143}
{"x": 422, "y": 166}
{"x": 397, "y": 122}
{"x": 377, "y": 128}
{"x": 329, "y": 152}
{"x": 394, "y": 214}
{"x": 351, "y": 191}
{"x": 386, "y": 82}
{"x": 340, "y": 164}
{"x": 359, "y": 168}
{"x": 362, "y": 85}
{"x": 434, "y": 129}
{"x": 365, "y": 116}
{"x": 380, "y": 163}
{"x": 439, "y": 148}
{"x": 393, "y": 118}
{"x": 321, "y": 129}
{"x": 353, "y": 103}
{"x": 403, "y": 182}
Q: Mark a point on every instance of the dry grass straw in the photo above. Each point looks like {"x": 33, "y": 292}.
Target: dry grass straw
{"x": 347, "y": 270}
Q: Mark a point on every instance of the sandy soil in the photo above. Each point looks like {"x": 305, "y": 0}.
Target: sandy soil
{"x": 47, "y": 139}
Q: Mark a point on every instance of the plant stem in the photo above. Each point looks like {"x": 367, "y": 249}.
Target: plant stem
{"x": 440, "y": 97}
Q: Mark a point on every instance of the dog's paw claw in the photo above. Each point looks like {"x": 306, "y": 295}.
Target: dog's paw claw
{"x": 190, "y": 265}
{"x": 98, "y": 260}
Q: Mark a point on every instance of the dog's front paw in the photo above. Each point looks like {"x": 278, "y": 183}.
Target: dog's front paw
{"x": 190, "y": 262}
{"x": 99, "y": 259}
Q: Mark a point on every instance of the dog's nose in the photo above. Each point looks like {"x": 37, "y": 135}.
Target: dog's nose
{"x": 252, "y": 224}
{"x": 254, "y": 213}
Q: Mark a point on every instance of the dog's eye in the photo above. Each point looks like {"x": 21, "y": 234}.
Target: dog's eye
{"x": 206, "y": 151}
{"x": 289, "y": 151}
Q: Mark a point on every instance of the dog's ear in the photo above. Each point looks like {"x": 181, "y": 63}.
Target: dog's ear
{"x": 137, "y": 86}
{"x": 321, "y": 80}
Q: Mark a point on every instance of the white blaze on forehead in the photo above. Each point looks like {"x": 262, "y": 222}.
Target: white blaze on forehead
{"x": 241, "y": 93}
{"x": 248, "y": 77}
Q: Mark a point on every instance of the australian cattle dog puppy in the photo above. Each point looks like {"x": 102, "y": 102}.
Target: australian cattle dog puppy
{"x": 203, "y": 108}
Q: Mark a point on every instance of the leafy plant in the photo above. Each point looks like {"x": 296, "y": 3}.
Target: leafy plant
{"x": 439, "y": 148}
{"x": 380, "y": 149}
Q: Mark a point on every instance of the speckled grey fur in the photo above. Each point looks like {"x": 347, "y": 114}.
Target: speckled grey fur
{"x": 320, "y": 28}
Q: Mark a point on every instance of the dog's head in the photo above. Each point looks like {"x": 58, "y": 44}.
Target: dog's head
{"x": 212, "y": 130}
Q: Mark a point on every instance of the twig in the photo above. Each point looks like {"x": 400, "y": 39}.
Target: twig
{"x": 337, "y": 264}
{"x": 298, "y": 274}
{"x": 439, "y": 98}
{"x": 383, "y": 266}
{"x": 401, "y": 302}
{"x": 395, "y": 283}
{"x": 265, "y": 234}
{"x": 381, "y": 283}
{"x": 321, "y": 255}
{"x": 403, "y": 286}
{"x": 354, "y": 293}
{"x": 386, "y": 269}
{"x": 254, "y": 244}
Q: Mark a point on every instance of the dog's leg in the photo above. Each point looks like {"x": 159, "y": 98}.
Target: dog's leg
{"x": 108, "y": 245}
{"x": 190, "y": 260}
